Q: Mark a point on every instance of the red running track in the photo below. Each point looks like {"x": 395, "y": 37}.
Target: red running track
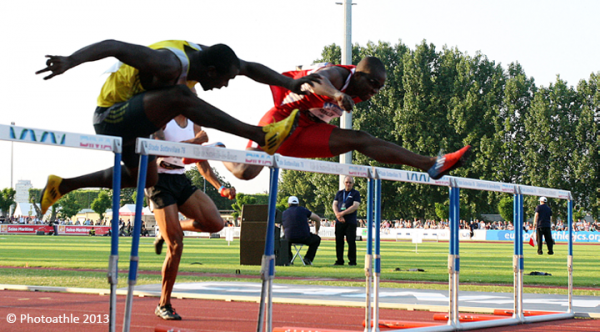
{"x": 207, "y": 315}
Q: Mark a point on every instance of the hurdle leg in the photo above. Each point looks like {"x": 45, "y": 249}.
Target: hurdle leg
{"x": 113, "y": 261}
{"x": 518, "y": 256}
{"x": 135, "y": 242}
{"x": 453, "y": 257}
{"x": 376, "y": 275}
{"x": 369, "y": 256}
{"x": 267, "y": 271}
{"x": 570, "y": 252}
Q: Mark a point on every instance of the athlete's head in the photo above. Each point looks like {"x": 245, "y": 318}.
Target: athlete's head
{"x": 220, "y": 64}
{"x": 369, "y": 78}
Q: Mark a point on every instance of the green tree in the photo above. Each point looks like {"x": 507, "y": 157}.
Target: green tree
{"x": 7, "y": 198}
{"x": 127, "y": 196}
{"x": 68, "y": 206}
{"x": 101, "y": 203}
{"x": 246, "y": 199}
{"x": 550, "y": 144}
{"x": 442, "y": 210}
{"x": 85, "y": 197}
{"x": 240, "y": 201}
{"x": 34, "y": 194}
{"x": 134, "y": 199}
{"x": 506, "y": 208}
{"x": 585, "y": 160}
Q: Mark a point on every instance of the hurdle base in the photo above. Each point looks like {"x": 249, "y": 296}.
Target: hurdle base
{"x": 403, "y": 324}
{"x": 306, "y": 329}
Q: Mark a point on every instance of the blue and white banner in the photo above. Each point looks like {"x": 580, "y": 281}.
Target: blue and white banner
{"x": 558, "y": 236}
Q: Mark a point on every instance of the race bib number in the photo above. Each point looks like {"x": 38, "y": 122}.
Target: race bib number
{"x": 327, "y": 112}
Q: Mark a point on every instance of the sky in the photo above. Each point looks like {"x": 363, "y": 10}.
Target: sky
{"x": 547, "y": 37}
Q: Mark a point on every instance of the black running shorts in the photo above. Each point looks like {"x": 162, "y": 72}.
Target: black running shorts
{"x": 171, "y": 189}
{"x": 128, "y": 121}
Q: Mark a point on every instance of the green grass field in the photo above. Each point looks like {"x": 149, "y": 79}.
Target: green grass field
{"x": 481, "y": 264}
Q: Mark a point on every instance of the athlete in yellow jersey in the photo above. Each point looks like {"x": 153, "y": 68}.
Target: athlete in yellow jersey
{"x": 151, "y": 87}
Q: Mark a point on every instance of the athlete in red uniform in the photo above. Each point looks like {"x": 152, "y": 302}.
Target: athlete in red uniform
{"x": 340, "y": 87}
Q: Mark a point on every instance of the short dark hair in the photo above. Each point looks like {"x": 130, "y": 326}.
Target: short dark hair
{"x": 371, "y": 64}
{"x": 220, "y": 56}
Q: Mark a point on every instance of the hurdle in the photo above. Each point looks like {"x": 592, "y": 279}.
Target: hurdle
{"x": 146, "y": 147}
{"x": 87, "y": 142}
{"x": 455, "y": 184}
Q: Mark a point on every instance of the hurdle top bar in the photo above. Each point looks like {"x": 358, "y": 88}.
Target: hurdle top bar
{"x": 60, "y": 138}
{"x": 186, "y": 150}
{"x": 466, "y": 183}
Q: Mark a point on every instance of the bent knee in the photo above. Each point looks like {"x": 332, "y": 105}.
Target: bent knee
{"x": 210, "y": 226}
{"x": 250, "y": 172}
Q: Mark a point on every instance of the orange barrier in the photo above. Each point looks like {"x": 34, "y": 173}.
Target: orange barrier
{"x": 509, "y": 312}
{"x": 305, "y": 329}
{"x": 402, "y": 324}
{"x": 468, "y": 318}
{"x": 162, "y": 328}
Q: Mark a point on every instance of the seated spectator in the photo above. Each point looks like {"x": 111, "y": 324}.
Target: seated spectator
{"x": 296, "y": 229}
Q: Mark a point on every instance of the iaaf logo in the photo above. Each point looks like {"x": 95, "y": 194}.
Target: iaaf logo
{"x": 32, "y": 135}
{"x": 95, "y": 142}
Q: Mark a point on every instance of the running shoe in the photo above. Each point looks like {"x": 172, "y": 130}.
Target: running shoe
{"x": 158, "y": 243}
{"x": 277, "y": 132}
{"x": 166, "y": 312}
{"x": 444, "y": 164}
{"x": 50, "y": 194}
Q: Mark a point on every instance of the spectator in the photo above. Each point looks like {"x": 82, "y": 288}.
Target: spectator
{"x": 542, "y": 222}
{"x": 297, "y": 230}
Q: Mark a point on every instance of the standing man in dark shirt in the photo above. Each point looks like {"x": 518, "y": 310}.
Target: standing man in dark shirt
{"x": 542, "y": 222}
{"x": 296, "y": 229}
{"x": 345, "y": 205}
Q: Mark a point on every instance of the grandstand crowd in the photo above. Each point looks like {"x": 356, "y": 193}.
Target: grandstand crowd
{"x": 581, "y": 225}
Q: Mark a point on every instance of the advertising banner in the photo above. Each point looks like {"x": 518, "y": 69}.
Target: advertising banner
{"x": 558, "y": 236}
{"x": 62, "y": 229}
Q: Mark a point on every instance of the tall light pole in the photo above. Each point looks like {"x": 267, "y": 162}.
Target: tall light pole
{"x": 346, "y": 119}
{"x": 11, "y": 160}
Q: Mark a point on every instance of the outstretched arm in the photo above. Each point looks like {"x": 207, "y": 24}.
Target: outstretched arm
{"x": 263, "y": 74}
{"x": 332, "y": 80}
{"x": 160, "y": 63}
{"x": 204, "y": 167}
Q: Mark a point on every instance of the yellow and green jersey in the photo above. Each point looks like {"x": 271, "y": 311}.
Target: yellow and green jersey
{"x": 124, "y": 83}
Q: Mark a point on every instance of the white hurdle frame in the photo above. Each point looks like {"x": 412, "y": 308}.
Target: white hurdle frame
{"x": 163, "y": 148}
{"x": 87, "y": 142}
{"x": 455, "y": 184}
{"x": 374, "y": 176}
